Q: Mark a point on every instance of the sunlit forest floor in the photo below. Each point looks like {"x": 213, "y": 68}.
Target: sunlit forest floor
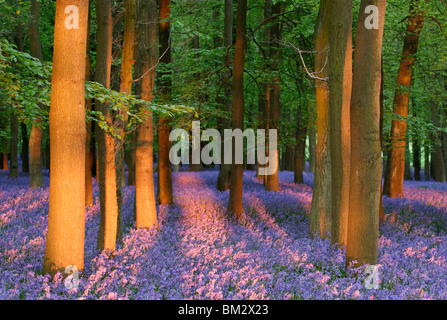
{"x": 196, "y": 252}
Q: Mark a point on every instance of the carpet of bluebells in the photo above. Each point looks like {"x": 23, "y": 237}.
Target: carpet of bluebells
{"x": 196, "y": 252}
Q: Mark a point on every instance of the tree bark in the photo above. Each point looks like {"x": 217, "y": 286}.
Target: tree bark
{"x": 145, "y": 210}
{"x": 320, "y": 216}
{"x": 25, "y": 148}
{"x": 36, "y": 136}
{"x": 88, "y": 136}
{"x": 164, "y": 190}
{"x": 394, "y": 185}
{"x": 223, "y": 180}
{"x": 438, "y": 171}
{"x": 237, "y": 170}
{"x": 272, "y": 183}
{"x": 366, "y": 161}
{"x": 66, "y": 220}
{"x": 417, "y": 160}
{"x": 340, "y": 84}
{"x": 106, "y": 143}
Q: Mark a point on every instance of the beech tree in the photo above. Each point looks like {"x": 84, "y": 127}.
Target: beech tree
{"x": 66, "y": 219}
{"x": 237, "y": 170}
{"x": 320, "y": 215}
{"x": 36, "y": 136}
{"x": 106, "y": 143}
{"x": 145, "y": 210}
{"x": 340, "y": 82}
{"x": 164, "y": 190}
{"x": 393, "y": 185}
{"x": 366, "y": 164}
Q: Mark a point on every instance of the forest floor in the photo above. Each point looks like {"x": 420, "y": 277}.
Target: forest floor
{"x": 195, "y": 252}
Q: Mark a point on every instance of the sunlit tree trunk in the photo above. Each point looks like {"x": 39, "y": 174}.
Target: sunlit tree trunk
{"x": 394, "y": 184}
{"x": 320, "y": 215}
{"x": 106, "y": 143}
{"x": 66, "y": 220}
{"x": 164, "y": 190}
{"x": 366, "y": 161}
{"x": 237, "y": 170}
{"x": 88, "y": 137}
{"x": 340, "y": 83}
{"x": 146, "y": 214}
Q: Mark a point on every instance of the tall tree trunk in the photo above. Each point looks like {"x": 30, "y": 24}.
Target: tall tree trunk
{"x": 106, "y": 143}
{"x": 275, "y": 106}
{"x": 164, "y": 190}
{"x": 366, "y": 161}
{"x": 237, "y": 170}
{"x": 320, "y": 215}
{"x": 66, "y": 220}
{"x": 264, "y": 93}
{"x": 394, "y": 186}
{"x": 88, "y": 136}
{"x": 25, "y": 148}
{"x": 125, "y": 86}
{"x": 145, "y": 211}
{"x": 223, "y": 180}
{"x": 36, "y": 136}
{"x": 340, "y": 84}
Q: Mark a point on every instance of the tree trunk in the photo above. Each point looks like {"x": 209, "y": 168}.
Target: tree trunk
{"x": 320, "y": 216}
{"x": 36, "y": 136}
{"x": 106, "y": 143}
{"x": 125, "y": 86}
{"x": 66, "y": 220}
{"x": 274, "y": 106}
{"x": 366, "y": 161}
{"x": 394, "y": 186}
{"x": 164, "y": 190}
{"x": 88, "y": 136}
{"x": 438, "y": 171}
{"x": 427, "y": 162}
{"x": 340, "y": 84}
{"x": 407, "y": 171}
{"x": 417, "y": 160}
{"x": 237, "y": 170}
{"x": 145, "y": 210}
{"x": 25, "y": 148}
